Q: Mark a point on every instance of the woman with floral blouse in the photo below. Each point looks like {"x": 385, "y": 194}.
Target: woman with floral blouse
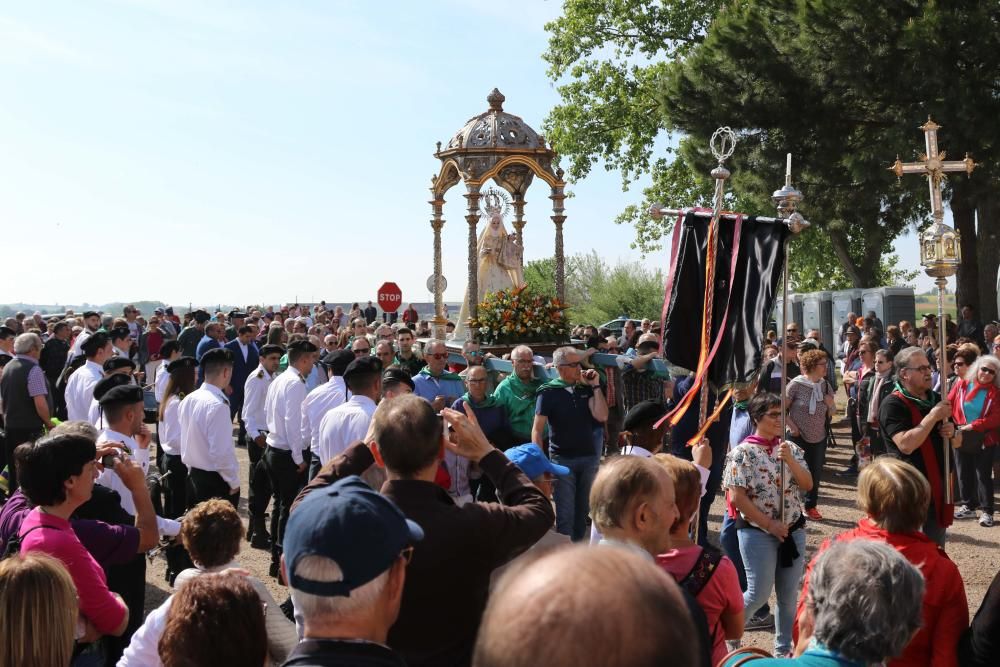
{"x": 773, "y": 550}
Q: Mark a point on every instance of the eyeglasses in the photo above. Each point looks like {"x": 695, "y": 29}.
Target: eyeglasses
{"x": 882, "y": 361}
{"x": 573, "y": 364}
{"x": 406, "y": 554}
{"x": 474, "y": 353}
{"x": 363, "y": 350}
{"x": 480, "y": 381}
{"x": 524, "y": 361}
{"x": 987, "y": 369}
{"x": 439, "y": 355}
{"x": 919, "y": 369}
{"x": 773, "y": 414}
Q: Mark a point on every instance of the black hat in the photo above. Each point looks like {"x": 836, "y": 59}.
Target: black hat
{"x": 201, "y": 316}
{"x": 303, "y": 345}
{"x": 95, "y": 343}
{"x": 181, "y": 362}
{"x": 216, "y": 356}
{"x": 236, "y": 313}
{"x": 396, "y": 375}
{"x": 338, "y": 361}
{"x": 271, "y": 348}
{"x": 6, "y": 332}
{"x": 363, "y": 366}
{"x": 124, "y": 394}
{"x": 114, "y": 363}
{"x": 119, "y": 332}
{"x": 104, "y": 385}
{"x": 852, "y": 330}
{"x": 90, "y": 313}
{"x": 643, "y": 414}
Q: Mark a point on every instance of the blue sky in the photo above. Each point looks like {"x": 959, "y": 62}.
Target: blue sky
{"x": 249, "y": 152}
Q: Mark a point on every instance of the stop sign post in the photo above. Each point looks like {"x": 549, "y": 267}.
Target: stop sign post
{"x": 390, "y": 298}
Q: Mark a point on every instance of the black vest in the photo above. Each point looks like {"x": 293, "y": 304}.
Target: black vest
{"x": 18, "y": 407}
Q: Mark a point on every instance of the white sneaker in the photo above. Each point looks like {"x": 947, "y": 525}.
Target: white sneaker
{"x": 965, "y": 512}
{"x": 986, "y": 520}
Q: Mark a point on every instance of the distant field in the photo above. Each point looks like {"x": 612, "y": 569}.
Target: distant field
{"x": 927, "y": 303}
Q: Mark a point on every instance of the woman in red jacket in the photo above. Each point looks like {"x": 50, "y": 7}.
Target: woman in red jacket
{"x": 895, "y": 496}
{"x": 975, "y": 407}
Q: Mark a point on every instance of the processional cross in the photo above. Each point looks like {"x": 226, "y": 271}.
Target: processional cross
{"x": 940, "y": 245}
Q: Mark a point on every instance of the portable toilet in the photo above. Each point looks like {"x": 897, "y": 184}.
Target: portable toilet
{"x": 898, "y": 304}
{"x": 817, "y": 313}
{"x": 845, "y": 302}
{"x": 796, "y": 300}
{"x": 873, "y": 299}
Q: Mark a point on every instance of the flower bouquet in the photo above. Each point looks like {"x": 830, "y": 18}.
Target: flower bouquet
{"x": 517, "y": 315}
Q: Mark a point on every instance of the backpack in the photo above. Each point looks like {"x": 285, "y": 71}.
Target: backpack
{"x": 13, "y": 546}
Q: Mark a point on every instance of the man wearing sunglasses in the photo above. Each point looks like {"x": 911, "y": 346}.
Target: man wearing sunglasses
{"x": 914, "y": 422}
{"x": 434, "y": 383}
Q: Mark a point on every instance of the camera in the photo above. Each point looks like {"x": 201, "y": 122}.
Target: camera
{"x": 108, "y": 461}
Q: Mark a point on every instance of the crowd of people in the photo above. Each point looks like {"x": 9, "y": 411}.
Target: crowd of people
{"x": 426, "y": 506}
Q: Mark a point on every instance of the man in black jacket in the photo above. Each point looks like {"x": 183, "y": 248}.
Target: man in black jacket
{"x": 53, "y": 361}
{"x": 447, "y": 582}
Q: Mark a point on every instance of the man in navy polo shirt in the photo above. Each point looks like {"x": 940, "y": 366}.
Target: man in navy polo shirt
{"x": 574, "y": 409}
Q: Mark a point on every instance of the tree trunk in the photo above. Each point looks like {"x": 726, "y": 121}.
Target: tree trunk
{"x": 963, "y": 208}
{"x": 988, "y": 254}
{"x": 860, "y": 275}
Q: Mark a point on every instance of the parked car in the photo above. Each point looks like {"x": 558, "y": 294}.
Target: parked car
{"x": 616, "y": 325}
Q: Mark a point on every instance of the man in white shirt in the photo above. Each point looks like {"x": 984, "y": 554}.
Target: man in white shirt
{"x": 255, "y": 419}
{"x": 349, "y": 422}
{"x": 91, "y": 323}
{"x": 324, "y": 399}
{"x": 170, "y": 351}
{"x": 207, "y": 433}
{"x": 80, "y": 387}
{"x": 121, "y": 341}
{"x": 284, "y": 457}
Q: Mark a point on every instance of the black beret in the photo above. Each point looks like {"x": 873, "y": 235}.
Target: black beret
{"x": 271, "y": 348}
{"x": 119, "y": 332}
{"x": 6, "y": 332}
{"x": 201, "y": 316}
{"x": 95, "y": 343}
{"x": 114, "y": 363}
{"x": 216, "y": 356}
{"x": 122, "y": 395}
{"x": 91, "y": 313}
{"x": 104, "y": 385}
{"x": 303, "y": 345}
{"x": 396, "y": 375}
{"x": 338, "y": 361}
{"x": 181, "y": 362}
{"x": 363, "y": 366}
{"x": 643, "y": 414}
{"x": 237, "y": 313}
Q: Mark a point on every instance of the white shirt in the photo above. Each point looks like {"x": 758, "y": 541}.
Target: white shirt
{"x": 111, "y": 479}
{"x": 80, "y": 391}
{"x": 160, "y": 382}
{"x": 283, "y": 411}
{"x": 81, "y": 338}
{"x": 207, "y": 433}
{"x": 318, "y": 403}
{"x": 170, "y": 428}
{"x": 243, "y": 349}
{"x": 118, "y": 352}
{"x": 344, "y": 425}
{"x": 254, "y": 393}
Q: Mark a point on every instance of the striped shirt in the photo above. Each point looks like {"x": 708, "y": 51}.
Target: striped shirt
{"x": 36, "y": 377}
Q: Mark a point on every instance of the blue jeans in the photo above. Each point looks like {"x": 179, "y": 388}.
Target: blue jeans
{"x": 764, "y": 572}
{"x": 729, "y": 540}
{"x": 572, "y": 494}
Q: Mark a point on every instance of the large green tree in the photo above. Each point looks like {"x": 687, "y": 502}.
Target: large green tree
{"x": 839, "y": 83}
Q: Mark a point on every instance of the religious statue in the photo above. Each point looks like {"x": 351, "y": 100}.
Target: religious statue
{"x": 501, "y": 256}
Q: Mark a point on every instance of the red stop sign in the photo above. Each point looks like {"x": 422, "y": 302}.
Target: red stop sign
{"x": 390, "y": 298}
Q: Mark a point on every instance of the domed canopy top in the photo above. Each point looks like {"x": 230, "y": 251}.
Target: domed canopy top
{"x": 495, "y": 129}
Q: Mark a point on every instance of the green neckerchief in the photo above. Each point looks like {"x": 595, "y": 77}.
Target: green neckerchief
{"x": 558, "y": 383}
{"x": 445, "y": 375}
{"x": 488, "y": 402}
{"x": 925, "y": 403}
{"x": 740, "y": 405}
{"x": 519, "y": 386}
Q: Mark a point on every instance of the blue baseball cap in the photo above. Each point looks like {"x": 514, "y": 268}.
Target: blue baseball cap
{"x": 532, "y": 461}
{"x": 351, "y": 524}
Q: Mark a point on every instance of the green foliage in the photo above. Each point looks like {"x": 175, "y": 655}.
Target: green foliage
{"x": 841, "y": 84}
{"x": 597, "y": 293}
